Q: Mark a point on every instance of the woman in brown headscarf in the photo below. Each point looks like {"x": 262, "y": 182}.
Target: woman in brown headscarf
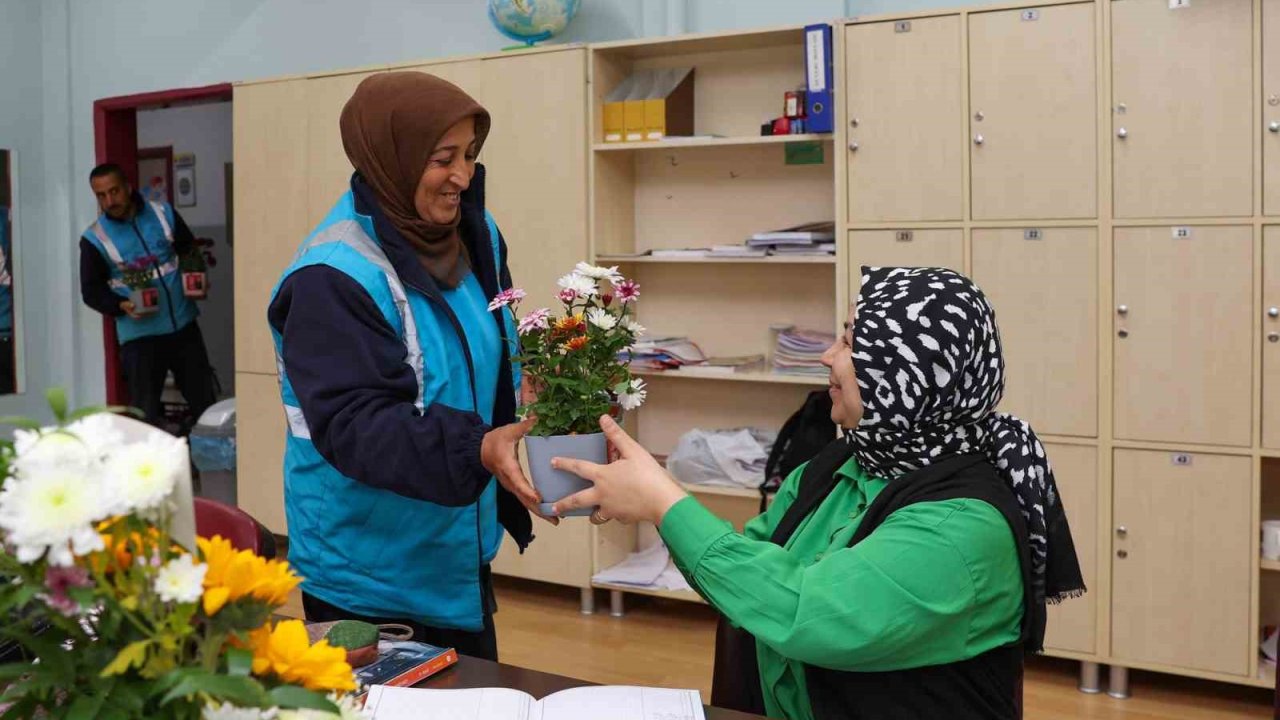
{"x": 397, "y": 377}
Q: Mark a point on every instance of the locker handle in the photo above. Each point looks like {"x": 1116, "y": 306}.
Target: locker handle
{"x": 1122, "y": 133}
{"x": 1123, "y": 310}
{"x": 1274, "y": 127}
{"x": 1122, "y": 554}
{"x": 1273, "y": 337}
{"x": 1273, "y": 312}
{"x": 853, "y": 146}
{"x": 1122, "y": 531}
{"x": 978, "y": 139}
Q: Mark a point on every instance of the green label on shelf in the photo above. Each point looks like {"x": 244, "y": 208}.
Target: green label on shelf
{"x": 804, "y": 153}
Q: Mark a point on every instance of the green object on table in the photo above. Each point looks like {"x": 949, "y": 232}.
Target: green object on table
{"x": 352, "y": 634}
{"x": 804, "y": 153}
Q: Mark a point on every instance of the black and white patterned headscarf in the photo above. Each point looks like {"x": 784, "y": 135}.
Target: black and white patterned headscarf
{"x": 927, "y": 356}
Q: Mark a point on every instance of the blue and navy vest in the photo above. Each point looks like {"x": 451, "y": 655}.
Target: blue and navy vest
{"x": 339, "y": 528}
{"x": 150, "y": 232}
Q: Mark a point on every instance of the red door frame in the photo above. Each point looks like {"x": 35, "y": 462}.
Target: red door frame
{"x": 115, "y": 139}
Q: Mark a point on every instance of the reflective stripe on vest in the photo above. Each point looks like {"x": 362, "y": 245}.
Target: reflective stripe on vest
{"x": 350, "y": 233}
{"x": 114, "y": 253}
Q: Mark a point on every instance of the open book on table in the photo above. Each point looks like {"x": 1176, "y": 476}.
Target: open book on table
{"x": 617, "y": 702}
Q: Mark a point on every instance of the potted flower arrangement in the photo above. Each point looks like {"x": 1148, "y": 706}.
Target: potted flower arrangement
{"x": 576, "y": 361}
{"x": 121, "y": 621}
{"x": 194, "y": 266}
{"x": 139, "y": 275}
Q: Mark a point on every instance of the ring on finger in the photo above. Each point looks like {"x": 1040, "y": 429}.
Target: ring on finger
{"x": 598, "y": 519}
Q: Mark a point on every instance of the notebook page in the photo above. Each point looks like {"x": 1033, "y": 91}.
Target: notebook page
{"x": 622, "y": 702}
{"x": 401, "y": 703}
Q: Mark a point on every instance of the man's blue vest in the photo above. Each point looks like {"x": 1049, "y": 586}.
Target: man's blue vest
{"x": 121, "y": 242}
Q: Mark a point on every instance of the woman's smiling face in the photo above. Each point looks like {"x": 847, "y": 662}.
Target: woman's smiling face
{"x": 846, "y": 397}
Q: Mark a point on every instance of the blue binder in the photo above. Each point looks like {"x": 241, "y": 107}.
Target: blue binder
{"x": 819, "y": 79}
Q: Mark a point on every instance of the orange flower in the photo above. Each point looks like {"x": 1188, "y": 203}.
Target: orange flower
{"x": 570, "y": 324}
{"x": 234, "y": 574}
{"x": 287, "y": 653}
{"x": 575, "y": 344}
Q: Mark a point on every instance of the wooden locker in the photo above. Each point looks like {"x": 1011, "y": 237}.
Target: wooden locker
{"x": 1043, "y": 284}
{"x": 1271, "y": 337}
{"x": 906, "y": 138}
{"x": 1183, "y": 326}
{"x": 905, "y": 248}
{"x": 1182, "y": 127}
{"x": 329, "y": 171}
{"x": 1073, "y": 623}
{"x": 1182, "y": 560}
{"x": 269, "y": 128}
{"x": 1270, "y": 104}
{"x": 260, "y": 437}
{"x": 544, "y": 223}
{"x": 1033, "y": 113}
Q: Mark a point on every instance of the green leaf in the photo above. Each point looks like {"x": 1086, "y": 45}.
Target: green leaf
{"x": 10, "y": 671}
{"x": 57, "y": 398}
{"x": 85, "y": 707}
{"x": 242, "y": 691}
{"x": 292, "y": 696}
{"x": 135, "y": 653}
{"x": 239, "y": 662}
{"x": 20, "y": 422}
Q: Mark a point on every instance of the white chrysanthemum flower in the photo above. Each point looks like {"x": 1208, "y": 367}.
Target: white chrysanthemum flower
{"x": 580, "y": 285}
{"x": 227, "y": 711}
{"x": 99, "y": 432}
{"x": 597, "y": 272}
{"x": 602, "y": 318}
{"x": 142, "y": 475}
{"x": 36, "y": 451}
{"x": 635, "y": 397}
{"x": 349, "y": 707}
{"x": 181, "y": 580}
{"x": 52, "y": 510}
{"x": 635, "y": 328}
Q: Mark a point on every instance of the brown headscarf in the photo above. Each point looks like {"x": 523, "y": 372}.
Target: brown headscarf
{"x": 390, "y": 126}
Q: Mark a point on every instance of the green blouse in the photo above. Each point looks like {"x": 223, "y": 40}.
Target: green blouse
{"x": 937, "y": 582}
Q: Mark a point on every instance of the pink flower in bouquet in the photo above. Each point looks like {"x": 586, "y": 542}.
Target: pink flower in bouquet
{"x": 567, "y": 296}
{"x": 628, "y": 291}
{"x": 539, "y": 319}
{"x": 61, "y": 579}
{"x": 506, "y": 298}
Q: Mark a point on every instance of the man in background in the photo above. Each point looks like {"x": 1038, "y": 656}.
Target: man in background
{"x": 131, "y": 232}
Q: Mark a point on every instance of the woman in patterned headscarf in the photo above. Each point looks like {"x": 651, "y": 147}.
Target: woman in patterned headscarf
{"x": 904, "y": 571}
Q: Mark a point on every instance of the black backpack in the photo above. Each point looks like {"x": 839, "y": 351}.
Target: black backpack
{"x": 802, "y": 436}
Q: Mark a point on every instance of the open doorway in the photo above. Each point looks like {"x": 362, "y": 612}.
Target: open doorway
{"x": 176, "y": 146}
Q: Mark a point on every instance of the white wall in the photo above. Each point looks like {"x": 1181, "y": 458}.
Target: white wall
{"x": 92, "y": 50}
{"x": 204, "y": 131}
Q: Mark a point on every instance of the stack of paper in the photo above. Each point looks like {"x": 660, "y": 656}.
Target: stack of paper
{"x": 799, "y": 352}
{"x": 809, "y": 239}
{"x": 663, "y": 353}
{"x": 649, "y": 569}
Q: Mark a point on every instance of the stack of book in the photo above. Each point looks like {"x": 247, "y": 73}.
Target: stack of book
{"x": 663, "y": 353}
{"x": 799, "y": 352}
{"x": 810, "y": 239}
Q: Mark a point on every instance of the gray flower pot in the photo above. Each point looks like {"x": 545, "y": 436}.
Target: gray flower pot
{"x": 555, "y": 484}
{"x": 145, "y": 300}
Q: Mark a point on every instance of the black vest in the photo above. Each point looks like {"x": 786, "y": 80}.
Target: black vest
{"x": 986, "y": 687}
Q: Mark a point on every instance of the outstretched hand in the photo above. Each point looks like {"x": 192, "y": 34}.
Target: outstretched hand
{"x": 498, "y": 455}
{"x": 633, "y": 487}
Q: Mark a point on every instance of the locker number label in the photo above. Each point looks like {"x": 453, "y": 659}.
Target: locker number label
{"x": 1181, "y": 233}
{"x": 1032, "y": 234}
{"x": 1179, "y": 4}
{"x": 1181, "y": 459}
{"x": 903, "y": 236}
{"x": 1029, "y": 15}
{"x": 902, "y": 26}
